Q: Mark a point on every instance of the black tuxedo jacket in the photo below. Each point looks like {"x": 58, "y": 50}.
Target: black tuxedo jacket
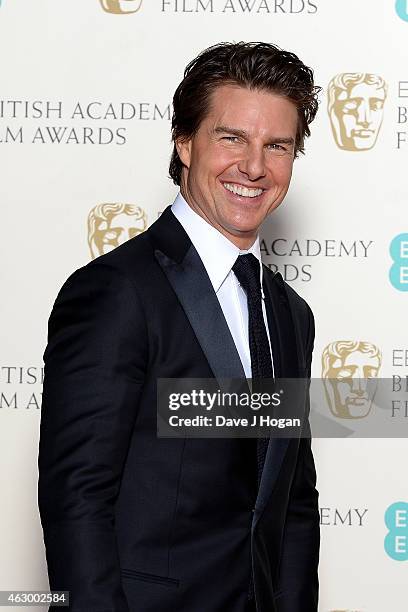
{"x": 133, "y": 522}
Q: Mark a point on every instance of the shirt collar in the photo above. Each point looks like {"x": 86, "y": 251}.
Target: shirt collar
{"x": 217, "y": 253}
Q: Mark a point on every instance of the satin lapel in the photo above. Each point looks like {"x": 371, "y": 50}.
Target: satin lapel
{"x": 281, "y": 327}
{"x": 196, "y": 294}
{"x": 286, "y": 365}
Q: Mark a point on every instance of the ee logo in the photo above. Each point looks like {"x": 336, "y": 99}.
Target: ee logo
{"x": 401, "y": 6}
{"x": 399, "y": 269}
{"x": 396, "y": 540}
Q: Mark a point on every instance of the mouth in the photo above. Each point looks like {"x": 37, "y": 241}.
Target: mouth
{"x": 242, "y": 192}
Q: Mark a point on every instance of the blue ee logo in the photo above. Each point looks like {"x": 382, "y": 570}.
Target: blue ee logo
{"x": 401, "y": 6}
{"x": 399, "y": 269}
{"x": 396, "y": 540}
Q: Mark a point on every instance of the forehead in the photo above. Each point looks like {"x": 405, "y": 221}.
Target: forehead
{"x": 251, "y": 110}
{"x": 363, "y": 90}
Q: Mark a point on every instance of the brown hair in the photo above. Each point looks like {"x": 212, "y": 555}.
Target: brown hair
{"x": 256, "y": 65}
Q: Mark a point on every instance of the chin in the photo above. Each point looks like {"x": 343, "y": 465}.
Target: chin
{"x": 241, "y": 228}
{"x": 245, "y": 221}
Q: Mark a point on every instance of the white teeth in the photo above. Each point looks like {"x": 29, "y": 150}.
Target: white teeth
{"x": 243, "y": 191}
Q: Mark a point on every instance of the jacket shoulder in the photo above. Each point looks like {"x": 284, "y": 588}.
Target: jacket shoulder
{"x": 129, "y": 258}
{"x": 107, "y": 277}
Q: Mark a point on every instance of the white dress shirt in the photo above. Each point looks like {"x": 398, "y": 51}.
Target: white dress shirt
{"x": 218, "y": 255}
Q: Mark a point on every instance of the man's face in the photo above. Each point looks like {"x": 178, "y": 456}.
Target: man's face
{"x": 239, "y": 163}
{"x": 352, "y": 389}
{"x": 359, "y": 113}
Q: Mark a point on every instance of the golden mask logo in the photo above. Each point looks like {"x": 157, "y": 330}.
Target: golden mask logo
{"x": 121, "y": 7}
{"x": 109, "y": 225}
{"x": 355, "y": 107}
{"x": 349, "y": 373}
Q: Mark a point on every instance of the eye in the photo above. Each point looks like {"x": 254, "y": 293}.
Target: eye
{"x": 231, "y": 138}
{"x": 277, "y": 147}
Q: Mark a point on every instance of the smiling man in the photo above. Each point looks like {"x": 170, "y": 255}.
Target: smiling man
{"x": 137, "y": 523}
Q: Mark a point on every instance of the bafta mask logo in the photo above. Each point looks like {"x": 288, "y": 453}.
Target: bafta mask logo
{"x": 350, "y": 377}
{"x": 401, "y": 6}
{"x": 109, "y": 225}
{"x": 121, "y": 7}
{"x": 355, "y": 107}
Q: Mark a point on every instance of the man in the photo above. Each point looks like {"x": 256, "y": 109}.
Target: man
{"x": 133, "y": 522}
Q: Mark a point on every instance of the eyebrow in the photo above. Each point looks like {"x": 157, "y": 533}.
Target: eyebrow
{"x": 222, "y": 129}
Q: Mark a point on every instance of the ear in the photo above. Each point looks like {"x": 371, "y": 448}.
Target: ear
{"x": 184, "y": 151}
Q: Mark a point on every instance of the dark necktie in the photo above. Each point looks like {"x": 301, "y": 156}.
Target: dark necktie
{"x": 247, "y": 270}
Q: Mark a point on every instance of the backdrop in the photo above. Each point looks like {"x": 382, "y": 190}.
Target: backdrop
{"x": 85, "y": 106}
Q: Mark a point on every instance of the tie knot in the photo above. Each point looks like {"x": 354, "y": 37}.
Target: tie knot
{"x": 247, "y": 270}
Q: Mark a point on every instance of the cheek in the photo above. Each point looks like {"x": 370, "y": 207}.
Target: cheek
{"x": 222, "y": 161}
{"x": 207, "y": 165}
{"x": 281, "y": 172}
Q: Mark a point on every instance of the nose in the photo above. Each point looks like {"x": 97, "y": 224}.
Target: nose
{"x": 252, "y": 165}
{"x": 364, "y": 113}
